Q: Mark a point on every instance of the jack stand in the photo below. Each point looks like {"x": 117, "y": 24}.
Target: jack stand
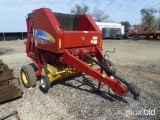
{"x": 98, "y": 91}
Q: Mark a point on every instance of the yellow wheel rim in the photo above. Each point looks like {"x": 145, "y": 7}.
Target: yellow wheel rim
{"x": 24, "y": 78}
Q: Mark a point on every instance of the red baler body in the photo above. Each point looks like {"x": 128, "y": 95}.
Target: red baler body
{"x": 64, "y": 40}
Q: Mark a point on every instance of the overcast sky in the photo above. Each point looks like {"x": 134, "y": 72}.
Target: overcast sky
{"x": 13, "y": 12}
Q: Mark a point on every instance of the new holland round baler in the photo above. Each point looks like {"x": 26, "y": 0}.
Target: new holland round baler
{"x": 63, "y": 45}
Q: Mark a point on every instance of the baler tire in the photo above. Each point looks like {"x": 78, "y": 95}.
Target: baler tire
{"x": 28, "y": 76}
{"x": 45, "y": 84}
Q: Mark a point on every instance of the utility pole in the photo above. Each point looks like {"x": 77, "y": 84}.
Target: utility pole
{"x": 22, "y": 32}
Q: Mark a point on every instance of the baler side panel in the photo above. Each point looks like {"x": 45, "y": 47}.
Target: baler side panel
{"x": 29, "y": 22}
{"x": 86, "y": 23}
{"x": 45, "y": 20}
{"x": 80, "y": 39}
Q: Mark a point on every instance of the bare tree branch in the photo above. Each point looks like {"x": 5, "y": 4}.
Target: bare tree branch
{"x": 99, "y": 15}
{"x": 79, "y": 9}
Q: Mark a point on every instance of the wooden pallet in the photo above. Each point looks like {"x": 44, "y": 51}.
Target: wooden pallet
{"x": 10, "y": 87}
{"x": 10, "y": 91}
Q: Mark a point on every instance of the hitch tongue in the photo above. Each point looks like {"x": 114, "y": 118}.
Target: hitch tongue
{"x": 134, "y": 90}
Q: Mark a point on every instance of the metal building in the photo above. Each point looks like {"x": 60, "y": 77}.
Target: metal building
{"x": 12, "y": 36}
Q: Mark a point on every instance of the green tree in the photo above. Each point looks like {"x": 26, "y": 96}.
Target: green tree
{"x": 148, "y": 18}
{"x": 99, "y": 15}
{"x": 77, "y": 9}
{"x": 126, "y": 24}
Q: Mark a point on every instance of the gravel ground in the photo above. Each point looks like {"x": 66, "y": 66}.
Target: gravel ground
{"x": 73, "y": 99}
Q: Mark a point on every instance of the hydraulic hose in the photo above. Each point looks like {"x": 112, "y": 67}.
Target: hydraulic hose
{"x": 132, "y": 88}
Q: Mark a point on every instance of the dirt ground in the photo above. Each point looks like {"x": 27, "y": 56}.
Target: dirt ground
{"x": 73, "y": 99}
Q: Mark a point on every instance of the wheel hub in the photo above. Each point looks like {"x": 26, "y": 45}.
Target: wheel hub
{"x": 43, "y": 83}
{"x": 24, "y": 78}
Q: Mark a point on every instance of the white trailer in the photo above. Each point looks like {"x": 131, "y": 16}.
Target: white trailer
{"x": 110, "y": 25}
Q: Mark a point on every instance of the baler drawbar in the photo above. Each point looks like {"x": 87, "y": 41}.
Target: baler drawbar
{"x": 63, "y": 45}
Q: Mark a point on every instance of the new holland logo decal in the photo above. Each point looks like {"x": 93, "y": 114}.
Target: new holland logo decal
{"x": 44, "y": 35}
